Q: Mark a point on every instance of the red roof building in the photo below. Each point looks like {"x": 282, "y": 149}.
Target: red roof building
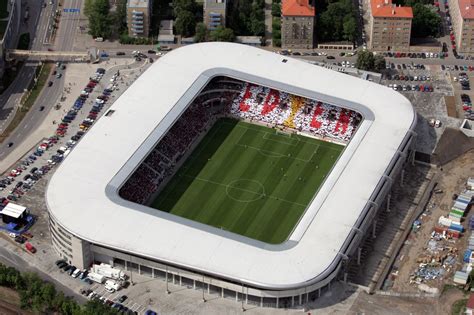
{"x": 297, "y": 8}
{"x": 467, "y": 8}
{"x": 390, "y": 26}
{"x": 298, "y": 23}
{"x": 385, "y": 8}
{"x": 462, "y": 28}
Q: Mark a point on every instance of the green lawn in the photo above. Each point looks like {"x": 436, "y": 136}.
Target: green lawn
{"x": 249, "y": 180}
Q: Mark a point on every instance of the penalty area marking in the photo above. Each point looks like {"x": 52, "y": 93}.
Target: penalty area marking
{"x": 273, "y": 154}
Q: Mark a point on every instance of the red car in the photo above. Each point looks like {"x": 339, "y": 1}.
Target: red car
{"x": 30, "y": 247}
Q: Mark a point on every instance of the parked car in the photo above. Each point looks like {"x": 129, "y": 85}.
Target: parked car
{"x": 61, "y": 264}
{"x": 30, "y": 247}
{"x": 122, "y": 298}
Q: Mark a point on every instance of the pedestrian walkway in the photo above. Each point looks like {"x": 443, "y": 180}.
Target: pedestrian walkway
{"x": 268, "y": 22}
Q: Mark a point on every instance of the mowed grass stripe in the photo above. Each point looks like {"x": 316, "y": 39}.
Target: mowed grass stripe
{"x": 222, "y": 182}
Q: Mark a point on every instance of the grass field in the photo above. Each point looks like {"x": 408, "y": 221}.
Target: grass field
{"x": 249, "y": 180}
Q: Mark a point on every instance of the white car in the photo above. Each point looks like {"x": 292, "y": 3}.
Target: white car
{"x": 436, "y": 123}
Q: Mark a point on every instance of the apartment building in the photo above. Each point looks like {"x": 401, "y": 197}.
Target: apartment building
{"x": 139, "y": 17}
{"x": 214, "y": 13}
{"x": 462, "y": 19}
{"x": 298, "y": 20}
{"x": 390, "y": 26}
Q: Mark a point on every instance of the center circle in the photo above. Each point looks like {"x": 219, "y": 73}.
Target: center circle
{"x": 245, "y": 190}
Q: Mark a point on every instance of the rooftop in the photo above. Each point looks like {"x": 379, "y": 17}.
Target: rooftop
{"x": 470, "y": 302}
{"x": 385, "y": 8}
{"x": 467, "y": 8}
{"x": 208, "y": 4}
{"x": 138, "y": 3}
{"x": 109, "y": 153}
{"x": 297, "y": 8}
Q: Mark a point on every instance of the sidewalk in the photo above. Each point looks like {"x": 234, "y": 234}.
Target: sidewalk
{"x": 268, "y": 22}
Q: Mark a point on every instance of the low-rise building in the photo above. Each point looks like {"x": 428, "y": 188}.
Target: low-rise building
{"x": 214, "y": 13}
{"x": 298, "y": 23}
{"x": 390, "y": 26}
{"x": 139, "y": 17}
{"x": 462, "y": 19}
{"x": 166, "y": 35}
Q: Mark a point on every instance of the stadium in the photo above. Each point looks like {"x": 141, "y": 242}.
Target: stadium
{"x": 233, "y": 170}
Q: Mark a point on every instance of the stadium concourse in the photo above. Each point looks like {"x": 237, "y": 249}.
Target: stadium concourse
{"x": 256, "y": 135}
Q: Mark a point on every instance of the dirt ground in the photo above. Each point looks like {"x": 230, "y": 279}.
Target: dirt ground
{"x": 388, "y": 305}
{"x": 452, "y": 180}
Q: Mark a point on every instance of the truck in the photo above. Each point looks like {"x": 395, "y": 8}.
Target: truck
{"x": 111, "y": 286}
{"x": 109, "y": 271}
{"x": 96, "y": 277}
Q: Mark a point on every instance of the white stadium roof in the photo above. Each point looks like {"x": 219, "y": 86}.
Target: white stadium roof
{"x": 83, "y": 196}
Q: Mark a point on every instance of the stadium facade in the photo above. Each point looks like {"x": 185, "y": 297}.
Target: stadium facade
{"x": 89, "y": 221}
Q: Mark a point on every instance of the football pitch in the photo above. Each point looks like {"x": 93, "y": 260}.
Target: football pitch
{"x": 249, "y": 179}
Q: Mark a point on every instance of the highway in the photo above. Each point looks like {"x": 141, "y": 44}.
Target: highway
{"x": 50, "y": 95}
{"x": 37, "y": 27}
{"x": 67, "y": 26}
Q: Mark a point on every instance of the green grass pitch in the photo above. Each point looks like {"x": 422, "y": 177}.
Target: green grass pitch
{"x": 249, "y": 180}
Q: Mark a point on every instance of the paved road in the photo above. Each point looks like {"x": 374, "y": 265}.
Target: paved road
{"x": 67, "y": 26}
{"x": 50, "y": 95}
{"x": 37, "y": 26}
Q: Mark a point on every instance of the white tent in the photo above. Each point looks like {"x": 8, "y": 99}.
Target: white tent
{"x": 13, "y": 210}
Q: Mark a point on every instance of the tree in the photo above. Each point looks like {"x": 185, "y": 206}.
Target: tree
{"x": 185, "y": 24}
{"x": 349, "y": 28}
{"x": 88, "y": 4}
{"x": 99, "y": 19}
{"x": 221, "y": 34}
{"x": 276, "y": 9}
{"x": 120, "y": 16}
{"x": 365, "y": 60}
{"x": 201, "y": 33}
{"x": 379, "y": 63}
{"x": 337, "y": 21}
{"x": 95, "y": 307}
{"x": 183, "y": 5}
{"x": 257, "y": 18}
{"x": 425, "y": 22}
